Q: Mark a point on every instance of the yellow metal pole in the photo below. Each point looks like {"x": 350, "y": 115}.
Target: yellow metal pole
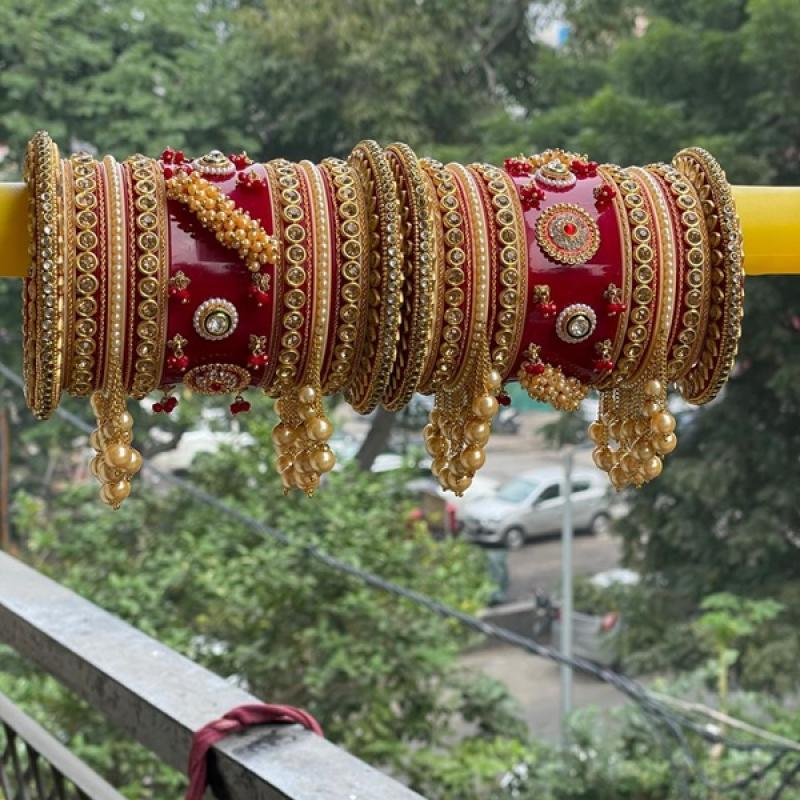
{"x": 13, "y": 230}
{"x": 770, "y": 218}
{"x": 770, "y": 226}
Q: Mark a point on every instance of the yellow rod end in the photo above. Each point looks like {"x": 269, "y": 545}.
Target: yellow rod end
{"x": 770, "y": 218}
{"x": 13, "y": 230}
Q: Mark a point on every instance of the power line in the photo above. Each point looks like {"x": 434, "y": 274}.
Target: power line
{"x": 675, "y": 723}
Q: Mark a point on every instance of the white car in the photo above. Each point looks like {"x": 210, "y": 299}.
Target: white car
{"x": 531, "y": 505}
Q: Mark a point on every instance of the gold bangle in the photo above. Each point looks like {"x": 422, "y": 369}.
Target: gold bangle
{"x": 273, "y": 186}
{"x": 513, "y": 271}
{"x": 613, "y": 176}
{"x": 151, "y": 267}
{"x": 374, "y": 367}
{"x": 420, "y": 295}
{"x": 353, "y": 265}
{"x": 461, "y": 419}
{"x": 453, "y": 221}
{"x": 86, "y": 268}
{"x": 116, "y": 461}
{"x": 70, "y": 268}
{"x": 726, "y": 301}
{"x": 696, "y": 264}
{"x": 300, "y": 437}
{"x": 44, "y": 307}
{"x": 294, "y": 300}
{"x": 640, "y": 318}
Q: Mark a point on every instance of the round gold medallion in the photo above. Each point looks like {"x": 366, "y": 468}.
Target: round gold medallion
{"x": 567, "y": 233}
{"x": 215, "y": 379}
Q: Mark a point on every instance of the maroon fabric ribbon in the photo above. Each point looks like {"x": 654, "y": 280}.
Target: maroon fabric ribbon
{"x": 237, "y": 720}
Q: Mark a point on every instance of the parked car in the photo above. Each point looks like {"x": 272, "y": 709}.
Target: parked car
{"x": 442, "y": 510}
{"x": 531, "y": 505}
{"x": 596, "y": 634}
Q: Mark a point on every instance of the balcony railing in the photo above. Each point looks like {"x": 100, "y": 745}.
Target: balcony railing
{"x": 159, "y": 698}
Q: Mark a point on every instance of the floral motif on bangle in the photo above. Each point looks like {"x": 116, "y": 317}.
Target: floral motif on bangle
{"x": 567, "y": 234}
{"x": 216, "y": 379}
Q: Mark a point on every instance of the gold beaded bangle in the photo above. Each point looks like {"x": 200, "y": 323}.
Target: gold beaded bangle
{"x": 152, "y": 272}
{"x": 374, "y": 367}
{"x": 353, "y": 265}
{"x": 420, "y": 294}
{"x": 478, "y": 303}
{"x": 437, "y": 321}
{"x": 640, "y": 322}
{"x": 300, "y": 437}
{"x": 323, "y": 267}
{"x": 86, "y": 282}
{"x": 461, "y": 419}
{"x": 453, "y": 221}
{"x": 513, "y": 271}
{"x": 613, "y": 176}
{"x": 273, "y": 187}
{"x": 116, "y": 271}
{"x": 70, "y": 269}
{"x": 653, "y": 363}
{"x": 115, "y": 462}
{"x": 295, "y": 276}
{"x": 696, "y": 264}
{"x": 726, "y": 301}
{"x": 44, "y": 343}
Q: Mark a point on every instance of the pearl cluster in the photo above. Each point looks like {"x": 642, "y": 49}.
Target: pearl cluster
{"x": 303, "y": 454}
{"x": 548, "y": 384}
{"x": 232, "y": 226}
{"x": 457, "y": 446}
{"x": 631, "y": 450}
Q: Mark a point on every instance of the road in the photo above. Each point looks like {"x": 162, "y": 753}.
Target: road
{"x": 534, "y": 682}
{"x": 538, "y": 565}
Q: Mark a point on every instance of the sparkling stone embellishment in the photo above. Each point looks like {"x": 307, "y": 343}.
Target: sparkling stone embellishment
{"x": 215, "y": 319}
{"x": 576, "y": 323}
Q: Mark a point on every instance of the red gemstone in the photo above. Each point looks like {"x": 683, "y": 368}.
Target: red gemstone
{"x": 168, "y": 155}
{"x": 257, "y": 360}
{"x": 503, "y": 399}
{"x": 180, "y": 363}
{"x": 168, "y": 172}
{"x": 534, "y": 369}
{"x": 257, "y": 295}
{"x": 173, "y": 291}
{"x": 157, "y": 408}
{"x": 240, "y": 406}
{"x": 570, "y": 228}
{"x": 604, "y": 365}
{"x": 184, "y": 295}
{"x": 215, "y": 386}
{"x": 179, "y": 157}
{"x": 549, "y": 309}
{"x": 615, "y": 308}
{"x": 517, "y": 167}
{"x": 170, "y": 403}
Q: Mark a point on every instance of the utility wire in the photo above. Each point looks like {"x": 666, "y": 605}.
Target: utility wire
{"x": 674, "y": 722}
